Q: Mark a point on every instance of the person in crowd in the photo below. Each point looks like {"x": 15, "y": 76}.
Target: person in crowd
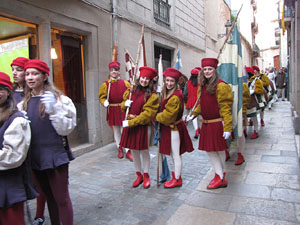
{"x": 175, "y": 139}
{"x": 53, "y": 117}
{"x": 272, "y": 77}
{"x": 190, "y": 91}
{"x": 281, "y": 83}
{"x": 265, "y": 80}
{"x": 137, "y": 129}
{"x": 16, "y": 184}
{"x": 256, "y": 94}
{"x": 18, "y": 73}
{"x": 215, "y": 106}
{"x": 110, "y": 96}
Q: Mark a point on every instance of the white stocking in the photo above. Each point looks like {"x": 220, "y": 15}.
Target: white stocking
{"x": 216, "y": 163}
{"x": 117, "y": 134}
{"x": 255, "y": 123}
{"x": 137, "y": 160}
{"x": 241, "y": 143}
{"x": 176, "y": 157}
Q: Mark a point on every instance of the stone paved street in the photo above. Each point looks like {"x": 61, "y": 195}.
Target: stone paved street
{"x": 264, "y": 190}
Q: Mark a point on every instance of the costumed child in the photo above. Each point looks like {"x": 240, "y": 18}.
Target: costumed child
{"x": 137, "y": 129}
{"x": 110, "y": 96}
{"x": 18, "y": 73}
{"x": 266, "y": 82}
{"x": 16, "y": 184}
{"x": 256, "y": 103}
{"x": 191, "y": 88}
{"x": 215, "y": 106}
{"x": 175, "y": 139}
{"x": 53, "y": 117}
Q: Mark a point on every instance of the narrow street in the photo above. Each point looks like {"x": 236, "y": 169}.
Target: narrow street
{"x": 264, "y": 190}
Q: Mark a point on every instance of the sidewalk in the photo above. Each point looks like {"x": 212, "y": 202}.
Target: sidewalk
{"x": 264, "y": 190}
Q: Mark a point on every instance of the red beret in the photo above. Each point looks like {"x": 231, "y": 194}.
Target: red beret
{"x": 37, "y": 64}
{"x": 20, "y": 61}
{"x": 172, "y": 72}
{"x": 146, "y": 71}
{"x": 249, "y": 70}
{"x": 114, "y": 64}
{"x": 256, "y": 68}
{"x": 195, "y": 71}
{"x": 213, "y": 62}
{"x": 5, "y": 80}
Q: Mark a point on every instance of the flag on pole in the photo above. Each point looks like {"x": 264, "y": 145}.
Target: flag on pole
{"x": 129, "y": 63}
{"x": 115, "y": 54}
{"x": 178, "y": 63}
{"x": 231, "y": 71}
{"x": 142, "y": 56}
{"x": 160, "y": 71}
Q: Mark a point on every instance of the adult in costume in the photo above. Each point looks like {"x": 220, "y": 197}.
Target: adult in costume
{"x": 215, "y": 106}
{"x": 175, "y": 139}
{"x": 110, "y": 96}
{"x": 137, "y": 129}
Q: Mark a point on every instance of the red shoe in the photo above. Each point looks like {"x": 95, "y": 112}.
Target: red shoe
{"x": 174, "y": 182}
{"x": 245, "y": 133}
{"x": 129, "y": 156}
{"x": 146, "y": 180}
{"x": 120, "y": 153}
{"x": 227, "y": 155}
{"x": 254, "y": 135}
{"x": 138, "y": 180}
{"x": 250, "y": 123}
{"x": 218, "y": 183}
{"x": 213, "y": 180}
{"x": 262, "y": 123}
{"x": 240, "y": 160}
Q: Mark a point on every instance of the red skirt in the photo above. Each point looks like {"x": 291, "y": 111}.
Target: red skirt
{"x": 186, "y": 144}
{"x": 135, "y": 138}
{"x": 115, "y": 116}
{"x": 211, "y": 137}
{"x": 191, "y": 102}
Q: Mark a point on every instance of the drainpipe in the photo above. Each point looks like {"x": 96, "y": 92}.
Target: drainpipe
{"x": 114, "y": 21}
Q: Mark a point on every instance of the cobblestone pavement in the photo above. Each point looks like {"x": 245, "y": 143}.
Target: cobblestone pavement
{"x": 264, "y": 190}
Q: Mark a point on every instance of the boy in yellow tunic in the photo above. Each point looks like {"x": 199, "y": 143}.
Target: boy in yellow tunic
{"x": 110, "y": 96}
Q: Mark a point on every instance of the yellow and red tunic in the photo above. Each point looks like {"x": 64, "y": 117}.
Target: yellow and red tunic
{"x": 114, "y": 115}
{"x": 141, "y": 113}
{"x": 211, "y": 107}
{"x": 170, "y": 119}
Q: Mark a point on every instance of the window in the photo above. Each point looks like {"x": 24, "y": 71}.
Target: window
{"x": 166, "y": 56}
{"x": 162, "y": 12}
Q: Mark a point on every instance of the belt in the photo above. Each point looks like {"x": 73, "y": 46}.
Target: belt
{"x": 211, "y": 121}
{"x": 115, "y": 104}
{"x": 176, "y": 123}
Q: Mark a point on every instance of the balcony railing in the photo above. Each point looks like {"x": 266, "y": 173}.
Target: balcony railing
{"x": 162, "y": 12}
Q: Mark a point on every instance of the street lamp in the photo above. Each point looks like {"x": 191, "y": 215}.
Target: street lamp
{"x": 227, "y": 25}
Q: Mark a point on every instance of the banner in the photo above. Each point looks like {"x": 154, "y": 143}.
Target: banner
{"x": 231, "y": 70}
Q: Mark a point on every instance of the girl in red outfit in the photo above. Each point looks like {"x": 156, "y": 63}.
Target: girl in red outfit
{"x": 215, "y": 106}
{"x": 137, "y": 129}
{"x": 175, "y": 139}
{"x": 191, "y": 88}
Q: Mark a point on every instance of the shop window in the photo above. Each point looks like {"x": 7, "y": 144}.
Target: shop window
{"x": 68, "y": 76}
{"x": 17, "y": 39}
